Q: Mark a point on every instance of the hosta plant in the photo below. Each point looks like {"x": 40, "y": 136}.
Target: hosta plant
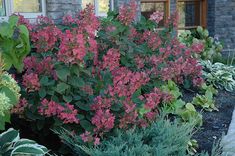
{"x": 14, "y": 43}
{"x": 12, "y": 145}
{"x": 219, "y": 75}
{"x": 212, "y": 48}
{"x": 9, "y": 95}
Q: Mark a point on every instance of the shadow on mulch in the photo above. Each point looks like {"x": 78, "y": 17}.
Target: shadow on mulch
{"x": 215, "y": 124}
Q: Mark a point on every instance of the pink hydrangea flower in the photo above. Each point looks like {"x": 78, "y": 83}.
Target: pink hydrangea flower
{"x": 31, "y": 82}
{"x": 157, "y": 16}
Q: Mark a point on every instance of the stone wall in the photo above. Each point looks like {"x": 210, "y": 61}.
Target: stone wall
{"x": 224, "y": 24}
{"x": 56, "y": 9}
{"x": 211, "y": 17}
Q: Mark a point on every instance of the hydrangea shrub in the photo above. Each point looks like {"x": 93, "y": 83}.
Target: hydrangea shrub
{"x": 95, "y": 75}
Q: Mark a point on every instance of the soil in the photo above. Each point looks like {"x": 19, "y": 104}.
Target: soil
{"x": 215, "y": 123}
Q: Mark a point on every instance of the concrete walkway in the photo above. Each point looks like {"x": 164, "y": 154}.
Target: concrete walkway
{"x": 228, "y": 142}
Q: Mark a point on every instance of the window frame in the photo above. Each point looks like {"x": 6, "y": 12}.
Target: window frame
{"x": 167, "y": 3}
{"x": 10, "y": 10}
{"x": 4, "y": 18}
{"x": 203, "y": 14}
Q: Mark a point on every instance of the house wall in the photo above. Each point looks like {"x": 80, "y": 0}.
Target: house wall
{"x": 56, "y": 9}
{"x": 224, "y": 22}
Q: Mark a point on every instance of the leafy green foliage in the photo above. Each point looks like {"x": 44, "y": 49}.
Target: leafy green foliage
{"x": 212, "y": 47}
{"x": 12, "y": 145}
{"x": 14, "y": 43}
{"x": 154, "y": 140}
{"x": 219, "y": 75}
{"x": 206, "y": 101}
{"x": 177, "y": 106}
{"x": 189, "y": 113}
{"x": 9, "y": 95}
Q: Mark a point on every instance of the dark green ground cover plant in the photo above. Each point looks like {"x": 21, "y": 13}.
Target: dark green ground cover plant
{"x": 162, "y": 138}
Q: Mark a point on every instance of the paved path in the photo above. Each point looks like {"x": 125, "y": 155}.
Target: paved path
{"x": 228, "y": 141}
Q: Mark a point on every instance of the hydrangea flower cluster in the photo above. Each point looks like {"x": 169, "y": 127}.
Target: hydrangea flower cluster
{"x": 126, "y": 82}
{"x": 31, "y": 82}
{"x": 10, "y": 83}
{"x": 67, "y": 113}
{"x": 45, "y": 38}
{"x": 9, "y": 94}
{"x": 5, "y": 104}
{"x": 127, "y": 13}
{"x": 157, "y": 16}
{"x": 72, "y": 47}
{"x": 111, "y": 59}
{"x": 20, "y": 107}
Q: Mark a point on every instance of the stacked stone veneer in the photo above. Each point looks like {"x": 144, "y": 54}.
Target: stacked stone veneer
{"x": 224, "y": 22}
{"x": 56, "y": 9}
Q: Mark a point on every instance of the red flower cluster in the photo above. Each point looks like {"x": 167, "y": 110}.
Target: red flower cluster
{"x": 72, "y": 47}
{"x": 45, "y": 38}
{"x": 157, "y": 16}
{"x": 127, "y": 13}
{"x": 153, "y": 40}
{"x": 68, "y": 114}
{"x": 126, "y": 82}
{"x": 111, "y": 59}
{"x": 103, "y": 120}
{"x": 20, "y": 107}
{"x": 68, "y": 20}
{"x": 31, "y": 82}
{"x": 182, "y": 69}
{"x": 197, "y": 47}
{"x": 24, "y": 21}
{"x": 87, "y": 137}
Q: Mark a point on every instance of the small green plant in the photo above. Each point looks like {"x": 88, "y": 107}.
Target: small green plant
{"x": 9, "y": 95}
{"x": 219, "y": 75}
{"x": 210, "y": 88}
{"x": 212, "y": 47}
{"x": 14, "y": 43}
{"x": 12, "y": 145}
{"x": 189, "y": 113}
{"x": 192, "y": 147}
{"x": 175, "y": 103}
{"x": 206, "y": 101}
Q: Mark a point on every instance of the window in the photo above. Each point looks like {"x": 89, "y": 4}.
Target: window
{"x": 192, "y": 13}
{"x": 27, "y": 8}
{"x": 150, "y": 6}
{"x": 2, "y": 8}
{"x": 101, "y": 6}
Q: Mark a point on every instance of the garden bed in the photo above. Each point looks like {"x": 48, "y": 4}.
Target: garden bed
{"x": 215, "y": 124}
